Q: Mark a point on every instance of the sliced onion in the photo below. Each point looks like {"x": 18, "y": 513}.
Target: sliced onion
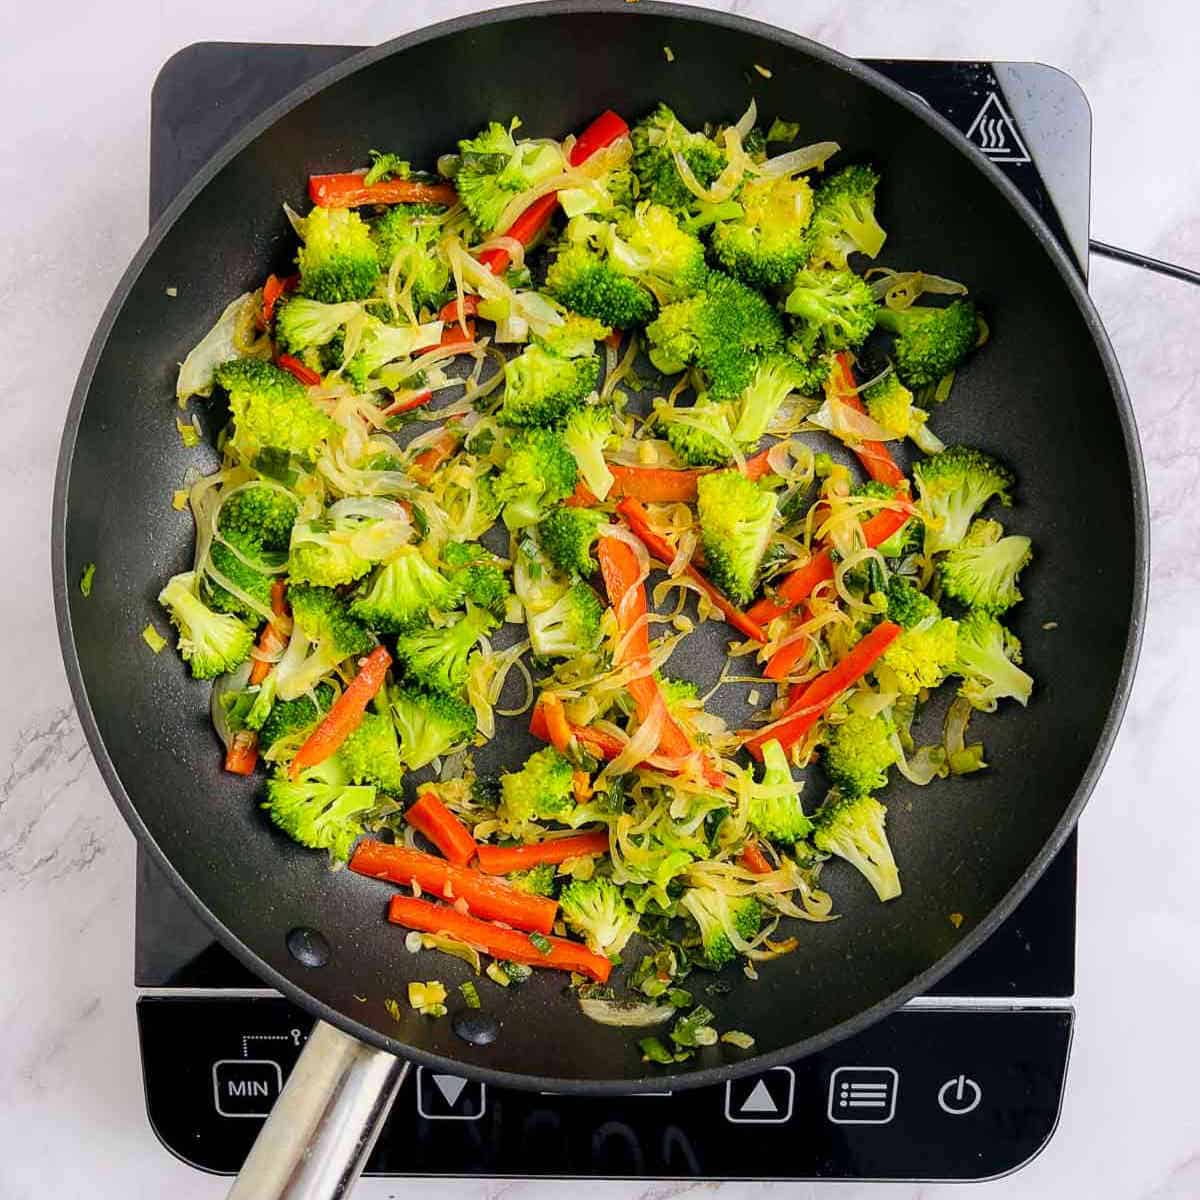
{"x": 746, "y": 121}
{"x": 625, "y": 1014}
{"x": 369, "y": 506}
{"x": 217, "y": 346}
{"x": 639, "y": 747}
{"x": 848, "y": 424}
{"x": 234, "y": 681}
{"x": 804, "y": 158}
{"x": 900, "y": 289}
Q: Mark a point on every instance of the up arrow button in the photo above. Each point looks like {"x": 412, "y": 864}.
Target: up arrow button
{"x": 764, "y": 1099}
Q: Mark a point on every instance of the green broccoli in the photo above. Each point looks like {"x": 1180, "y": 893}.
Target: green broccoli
{"x": 478, "y": 573}
{"x": 981, "y": 572}
{"x": 539, "y": 472}
{"x": 324, "y": 634}
{"x": 844, "y": 219}
{"x": 573, "y": 337}
{"x": 720, "y": 330}
{"x": 301, "y": 323}
{"x": 701, "y": 435}
{"x": 930, "y": 342}
{"x": 540, "y": 791}
{"x": 211, "y": 643}
{"x": 410, "y": 233}
{"x": 244, "y": 566}
{"x": 271, "y": 409}
{"x": 656, "y": 140}
{"x": 436, "y": 658}
{"x": 322, "y": 810}
{"x": 338, "y": 261}
{"x": 588, "y": 283}
{"x": 259, "y": 514}
{"x": 295, "y": 718}
{"x": 537, "y": 881}
{"x": 737, "y": 519}
{"x": 494, "y": 167}
{"x": 651, "y": 246}
{"x": 718, "y": 915}
{"x": 324, "y": 551}
{"x": 988, "y": 660}
{"x": 403, "y": 592}
{"x": 835, "y": 310}
{"x": 543, "y": 388}
{"x": 388, "y": 166}
{"x": 773, "y": 806}
{"x": 570, "y": 626}
{"x": 371, "y": 754}
{"x": 567, "y": 536}
{"x": 890, "y": 404}
{"x": 923, "y": 655}
{"x": 858, "y": 754}
{"x": 595, "y": 909}
{"x": 677, "y": 693}
{"x": 768, "y": 241}
{"x": 776, "y": 377}
{"x": 586, "y": 434}
{"x": 907, "y": 605}
{"x": 429, "y": 725}
{"x": 852, "y": 827}
{"x": 954, "y": 485}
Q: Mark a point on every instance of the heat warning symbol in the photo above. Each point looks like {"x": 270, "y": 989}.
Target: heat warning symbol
{"x": 995, "y": 133}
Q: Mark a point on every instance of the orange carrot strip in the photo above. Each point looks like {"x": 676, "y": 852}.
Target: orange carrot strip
{"x": 428, "y": 815}
{"x": 242, "y": 755}
{"x": 271, "y": 640}
{"x": 501, "y": 860}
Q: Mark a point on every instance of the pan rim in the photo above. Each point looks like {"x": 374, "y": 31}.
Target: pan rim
{"x": 1076, "y": 289}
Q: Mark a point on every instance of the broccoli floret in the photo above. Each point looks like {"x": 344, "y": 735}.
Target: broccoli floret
{"x": 909, "y": 606}
{"x": 773, "y": 806}
{"x": 494, "y": 167}
{"x": 538, "y": 473}
{"x": 338, "y": 261}
{"x": 775, "y": 378}
{"x": 403, "y": 592}
{"x": 954, "y": 485}
{"x": 701, "y": 435}
{"x": 858, "y": 754}
{"x": 844, "y": 218}
{"x": 429, "y": 724}
{"x": 540, "y": 791}
{"x": 718, "y": 914}
{"x": 323, "y": 552}
{"x": 852, "y": 827}
{"x": 258, "y": 514}
{"x": 569, "y": 627}
{"x": 652, "y": 247}
{"x": 478, "y": 573}
{"x": 322, "y": 811}
{"x": 211, "y": 643}
{"x": 677, "y": 692}
{"x": 542, "y": 388}
{"x": 595, "y": 910}
{"x": 371, "y": 754}
{"x": 988, "y": 660}
{"x": 586, "y": 433}
{"x": 923, "y": 655}
{"x": 737, "y": 519}
{"x": 436, "y": 658}
{"x": 890, "y": 404}
{"x": 324, "y": 634}
{"x": 410, "y": 232}
{"x": 835, "y": 310}
{"x": 574, "y": 337}
{"x": 720, "y": 330}
{"x": 982, "y": 571}
{"x": 768, "y": 241}
{"x": 537, "y": 881}
{"x": 243, "y": 566}
{"x": 301, "y": 323}
{"x": 388, "y": 166}
{"x": 930, "y": 342}
{"x": 583, "y": 280}
{"x": 656, "y": 139}
{"x": 567, "y": 536}
{"x": 293, "y": 718}
{"x": 271, "y": 409}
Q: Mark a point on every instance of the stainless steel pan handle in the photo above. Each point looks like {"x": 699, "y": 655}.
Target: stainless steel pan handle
{"x": 325, "y": 1122}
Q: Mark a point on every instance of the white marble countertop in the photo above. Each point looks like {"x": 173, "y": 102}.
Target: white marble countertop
{"x": 75, "y": 84}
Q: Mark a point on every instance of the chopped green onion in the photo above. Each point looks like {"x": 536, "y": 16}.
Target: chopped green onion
{"x": 679, "y": 998}
{"x": 153, "y": 638}
{"x": 470, "y": 994}
{"x": 541, "y": 943}
{"x": 85, "y": 580}
{"x": 735, "y": 1037}
{"x": 783, "y": 131}
{"x": 519, "y": 972}
{"x": 654, "y": 1051}
{"x": 393, "y": 1008}
{"x": 188, "y": 433}
{"x": 689, "y": 1029}
{"x": 497, "y": 974}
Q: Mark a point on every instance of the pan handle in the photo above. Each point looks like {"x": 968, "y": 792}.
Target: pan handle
{"x": 325, "y": 1122}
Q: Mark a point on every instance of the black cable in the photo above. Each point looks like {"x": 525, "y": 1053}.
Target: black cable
{"x": 1145, "y": 262}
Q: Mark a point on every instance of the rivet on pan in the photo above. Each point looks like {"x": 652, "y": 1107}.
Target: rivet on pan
{"x": 308, "y": 947}
{"x": 478, "y": 1028}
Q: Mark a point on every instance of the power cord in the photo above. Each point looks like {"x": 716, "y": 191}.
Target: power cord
{"x": 1145, "y": 262}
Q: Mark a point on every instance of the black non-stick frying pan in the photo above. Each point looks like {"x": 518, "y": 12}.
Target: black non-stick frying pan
{"x": 1046, "y": 395}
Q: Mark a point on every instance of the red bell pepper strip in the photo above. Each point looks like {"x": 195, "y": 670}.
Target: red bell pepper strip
{"x": 601, "y": 133}
{"x": 613, "y": 341}
{"x": 502, "y": 860}
{"x": 293, "y": 366}
{"x": 638, "y": 520}
{"x": 875, "y": 457}
{"x": 409, "y": 404}
{"x": 428, "y": 815}
{"x": 272, "y": 290}
{"x": 661, "y": 485}
{"x": 806, "y": 709}
{"x": 346, "y": 714}
{"x": 596, "y": 741}
{"x": 508, "y": 944}
{"x": 347, "y": 190}
{"x": 754, "y": 860}
{"x": 781, "y": 663}
{"x": 449, "y": 311}
{"x": 453, "y": 335}
{"x": 242, "y": 755}
{"x": 488, "y": 898}
{"x": 556, "y": 723}
{"x": 271, "y": 640}
{"x": 800, "y": 583}
{"x": 428, "y": 460}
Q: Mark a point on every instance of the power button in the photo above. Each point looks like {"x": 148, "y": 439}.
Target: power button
{"x": 959, "y": 1096}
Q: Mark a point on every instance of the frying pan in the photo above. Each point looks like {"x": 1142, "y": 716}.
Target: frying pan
{"x": 1046, "y": 395}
